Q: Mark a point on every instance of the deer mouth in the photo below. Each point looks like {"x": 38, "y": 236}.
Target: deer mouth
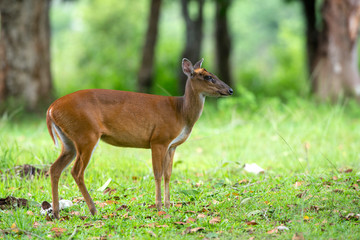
{"x": 223, "y": 94}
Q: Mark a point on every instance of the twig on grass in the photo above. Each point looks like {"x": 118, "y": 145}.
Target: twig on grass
{"x": 73, "y": 234}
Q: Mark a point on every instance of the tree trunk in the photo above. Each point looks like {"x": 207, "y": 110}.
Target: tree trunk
{"x": 194, "y": 36}
{"x": 25, "y": 53}
{"x": 223, "y": 41}
{"x": 332, "y": 50}
{"x": 312, "y": 35}
{"x": 145, "y": 76}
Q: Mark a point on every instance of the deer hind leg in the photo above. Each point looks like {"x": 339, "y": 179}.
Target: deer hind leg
{"x": 167, "y": 174}
{"x": 84, "y": 153}
{"x": 67, "y": 154}
{"x": 158, "y": 156}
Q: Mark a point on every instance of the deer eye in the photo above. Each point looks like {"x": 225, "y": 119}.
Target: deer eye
{"x": 208, "y": 78}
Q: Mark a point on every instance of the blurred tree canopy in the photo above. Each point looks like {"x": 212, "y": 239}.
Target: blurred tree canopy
{"x": 103, "y": 49}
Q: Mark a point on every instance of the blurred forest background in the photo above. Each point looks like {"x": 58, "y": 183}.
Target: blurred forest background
{"x": 280, "y": 49}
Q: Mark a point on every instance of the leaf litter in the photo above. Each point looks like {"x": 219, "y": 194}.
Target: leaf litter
{"x": 26, "y": 171}
{"x": 13, "y": 202}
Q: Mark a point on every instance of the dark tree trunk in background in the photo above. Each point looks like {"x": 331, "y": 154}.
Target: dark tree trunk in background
{"x": 194, "y": 36}
{"x": 312, "y": 34}
{"x": 25, "y": 53}
{"x": 145, "y": 76}
{"x": 332, "y": 48}
{"x": 223, "y": 41}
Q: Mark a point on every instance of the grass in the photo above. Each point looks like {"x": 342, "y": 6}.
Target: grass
{"x": 310, "y": 153}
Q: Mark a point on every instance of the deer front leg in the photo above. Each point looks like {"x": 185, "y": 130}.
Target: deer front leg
{"x": 167, "y": 174}
{"x": 158, "y": 156}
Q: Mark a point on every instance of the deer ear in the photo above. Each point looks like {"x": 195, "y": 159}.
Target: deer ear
{"x": 187, "y": 67}
{"x": 198, "y": 64}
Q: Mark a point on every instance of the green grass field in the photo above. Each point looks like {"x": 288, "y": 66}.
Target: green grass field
{"x": 310, "y": 153}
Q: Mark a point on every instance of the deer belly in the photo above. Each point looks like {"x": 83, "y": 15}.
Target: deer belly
{"x": 126, "y": 141}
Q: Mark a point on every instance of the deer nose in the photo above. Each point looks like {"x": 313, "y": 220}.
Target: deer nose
{"x": 230, "y": 91}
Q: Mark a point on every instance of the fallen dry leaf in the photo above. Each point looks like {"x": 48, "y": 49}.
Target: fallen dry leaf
{"x": 76, "y": 213}
{"x": 111, "y": 202}
{"x": 215, "y": 220}
{"x": 179, "y": 223}
{"x": 30, "y": 213}
{"x": 190, "y": 219}
{"x": 243, "y": 181}
{"x": 64, "y": 218}
{"x": 192, "y": 230}
{"x": 201, "y": 215}
{"x": 161, "y": 226}
{"x": 298, "y": 184}
{"x": 126, "y": 216}
{"x": 14, "y": 228}
{"x": 199, "y": 184}
{"x": 160, "y": 213}
{"x": 272, "y": 231}
{"x": 338, "y": 190}
{"x": 122, "y": 207}
{"x": 78, "y": 199}
{"x": 100, "y": 204}
{"x": 151, "y": 233}
{"x": 111, "y": 215}
{"x": 252, "y": 222}
{"x": 88, "y": 225}
{"x": 36, "y": 224}
{"x": 150, "y": 225}
{"x": 109, "y": 190}
{"x": 204, "y": 210}
{"x": 197, "y": 229}
{"x": 58, "y": 231}
{"x": 167, "y": 216}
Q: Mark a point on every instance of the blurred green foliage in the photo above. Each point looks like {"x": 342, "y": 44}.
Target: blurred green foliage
{"x": 98, "y": 44}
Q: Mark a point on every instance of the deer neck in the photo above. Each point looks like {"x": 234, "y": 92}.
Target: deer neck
{"x": 193, "y": 104}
